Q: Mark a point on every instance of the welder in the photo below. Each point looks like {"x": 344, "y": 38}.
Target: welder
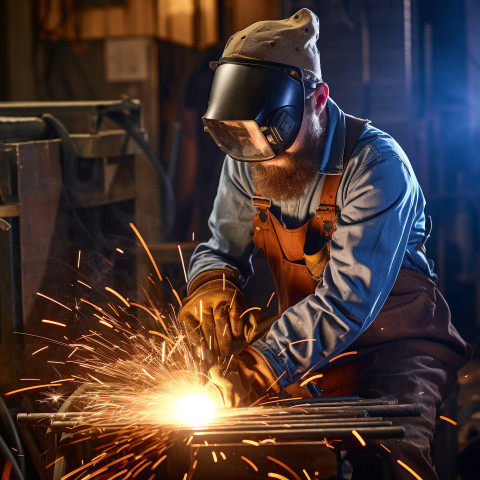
{"x": 334, "y": 205}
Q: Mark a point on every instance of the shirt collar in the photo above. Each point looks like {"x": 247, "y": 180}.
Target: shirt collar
{"x": 331, "y": 158}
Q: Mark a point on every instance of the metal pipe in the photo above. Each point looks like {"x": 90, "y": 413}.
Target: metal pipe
{"x": 218, "y": 438}
{"x": 60, "y": 425}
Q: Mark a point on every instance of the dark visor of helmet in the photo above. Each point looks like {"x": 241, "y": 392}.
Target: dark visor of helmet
{"x": 255, "y": 109}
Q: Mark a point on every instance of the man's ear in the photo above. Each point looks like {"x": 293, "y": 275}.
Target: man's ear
{"x": 320, "y": 97}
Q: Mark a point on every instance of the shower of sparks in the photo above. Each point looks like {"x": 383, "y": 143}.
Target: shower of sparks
{"x": 449, "y": 420}
{"x": 140, "y": 382}
{"x": 359, "y": 438}
{"x": 406, "y": 467}
{"x": 145, "y": 383}
{"x": 344, "y": 354}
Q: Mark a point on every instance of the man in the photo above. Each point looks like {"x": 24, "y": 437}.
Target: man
{"x": 334, "y": 205}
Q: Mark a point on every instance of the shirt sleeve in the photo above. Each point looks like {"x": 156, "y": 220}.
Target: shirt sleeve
{"x": 231, "y": 224}
{"x": 367, "y": 249}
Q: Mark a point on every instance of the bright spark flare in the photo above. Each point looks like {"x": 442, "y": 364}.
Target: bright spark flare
{"x": 195, "y": 409}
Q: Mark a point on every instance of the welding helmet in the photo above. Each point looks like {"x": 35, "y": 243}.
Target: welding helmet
{"x": 255, "y": 108}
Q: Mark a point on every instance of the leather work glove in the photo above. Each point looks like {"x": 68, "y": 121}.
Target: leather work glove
{"x": 221, "y": 322}
{"x": 245, "y": 379}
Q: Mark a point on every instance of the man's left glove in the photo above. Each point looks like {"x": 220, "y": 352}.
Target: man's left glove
{"x": 220, "y": 322}
{"x": 248, "y": 377}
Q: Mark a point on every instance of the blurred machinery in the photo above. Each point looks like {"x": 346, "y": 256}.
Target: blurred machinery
{"x": 66, "y": 187}
{"x": 67, "y": 196}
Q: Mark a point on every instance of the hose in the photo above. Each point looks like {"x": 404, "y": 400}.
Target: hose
{"x": 166, "y": 187}
{"x": 12, "y": 430}
{"x": 5, "y": 451}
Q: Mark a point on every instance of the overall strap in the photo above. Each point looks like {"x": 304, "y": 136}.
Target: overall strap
{"x": 327, "y": 209}
{"x": 262, "y": 204}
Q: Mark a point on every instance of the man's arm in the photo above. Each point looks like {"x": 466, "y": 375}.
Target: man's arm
{"x": 231, "y": 223}
{"x": 213, "y": 312}
{"x": 366, "y": 254}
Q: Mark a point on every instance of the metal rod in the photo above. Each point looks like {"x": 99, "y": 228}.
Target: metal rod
{"x": 245, "y": 429}
{"x": 217, "y": 438}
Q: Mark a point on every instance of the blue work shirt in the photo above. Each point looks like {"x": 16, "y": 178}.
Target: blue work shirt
{"x": 380, "y": 225}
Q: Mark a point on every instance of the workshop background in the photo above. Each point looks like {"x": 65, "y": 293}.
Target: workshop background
{"x": 117, "y": 138}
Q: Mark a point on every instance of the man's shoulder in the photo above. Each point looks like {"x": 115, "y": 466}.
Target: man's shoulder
{"x": 377, "y": 145}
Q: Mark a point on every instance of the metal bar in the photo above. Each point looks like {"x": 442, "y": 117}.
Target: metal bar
{"x": 218, "y": 438}
{"x": 334, "y": 401}
{"x": 245, "y": 429}
{"x": 38, "y": 108}
{"x": 290, "y": 420}
{"x": 33, "y": 418}
{"x": 377, "y": 410}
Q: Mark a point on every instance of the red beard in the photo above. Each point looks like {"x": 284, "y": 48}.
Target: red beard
{"x": 285, "y": 182}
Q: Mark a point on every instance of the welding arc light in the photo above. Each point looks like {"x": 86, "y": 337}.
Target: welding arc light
{"x": 195, "y": 409}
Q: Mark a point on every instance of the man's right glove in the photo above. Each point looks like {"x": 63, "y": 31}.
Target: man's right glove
{"x": 244, "y": 379}
{"x": 221, "y": 322}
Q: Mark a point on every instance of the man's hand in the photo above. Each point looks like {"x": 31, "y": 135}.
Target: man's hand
{"x": 212, "y": 313}
{"x": 248, "y": 377}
